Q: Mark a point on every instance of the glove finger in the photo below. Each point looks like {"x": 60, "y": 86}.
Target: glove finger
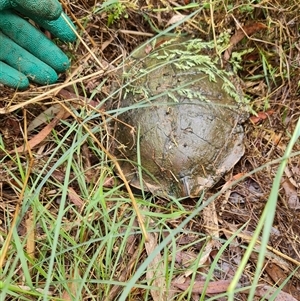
{"x": 23, "y": 61}
{"x": 12, "y": 78}
{"x": 59, "y": 28}
{"x": 30, "y": 38}
{"x": 48, "y": 9}
{"x": 5, "y": 4}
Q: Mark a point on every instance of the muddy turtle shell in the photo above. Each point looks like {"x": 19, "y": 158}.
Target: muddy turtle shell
{"x": 180, "y": 127}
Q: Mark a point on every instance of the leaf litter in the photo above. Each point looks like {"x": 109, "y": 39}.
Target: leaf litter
{"x": 270, "y": 79}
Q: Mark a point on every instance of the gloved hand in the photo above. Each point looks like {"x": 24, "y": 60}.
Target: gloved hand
{"x": 25, "y": 52}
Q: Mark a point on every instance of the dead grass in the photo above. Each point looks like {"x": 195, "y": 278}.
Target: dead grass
{"x": 270, "y": 76}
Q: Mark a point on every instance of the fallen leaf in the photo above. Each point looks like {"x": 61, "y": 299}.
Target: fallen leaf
{"x": 42, "y": 134}
{"x": 210, "y": 220}
{"x": 293, "y": 175}
{"x": 58, "y": 175}
{"x": 49, "y": 114}
{"x": 291, "y": 195}
{"x": 40, "y": 290}
{"x": 133, "y": 252}
{"x": 156, "y": 271}
{"x": 234, "y": 178}
{"x": 250, "y": 29}
{"x": 176, "y": 18}
{"x": 267, "y": 292}
{"x": 198, "y": 287}
{"x": 247, "y": 30}
{"x": 75, "y": 198}
{"x": 276, "y": 138}
{"x": 44, "y": 117}
{"x": 279, "y": 276}
{"x": 185, "y": 258}
{"x": 68, "y": 295}
{"x": 109, "y": 182}
{"x": 30, "y": 241}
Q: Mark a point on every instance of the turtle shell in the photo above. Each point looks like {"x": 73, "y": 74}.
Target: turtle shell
{"x": 180, "y": 127}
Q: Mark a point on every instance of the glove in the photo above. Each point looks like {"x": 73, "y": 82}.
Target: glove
{"x": 25, "y": 52}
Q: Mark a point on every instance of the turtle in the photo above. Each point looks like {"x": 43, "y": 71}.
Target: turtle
{"x": 180, "y": 122}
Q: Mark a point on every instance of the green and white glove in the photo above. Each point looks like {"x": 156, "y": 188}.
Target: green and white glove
{"x": 25, "y": 52}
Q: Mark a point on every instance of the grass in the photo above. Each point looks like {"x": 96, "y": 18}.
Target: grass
{"x": 78, "y": 251}
{"x": 76, "y": 235}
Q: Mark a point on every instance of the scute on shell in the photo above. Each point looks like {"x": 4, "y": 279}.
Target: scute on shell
{"x": 186, "y": 114}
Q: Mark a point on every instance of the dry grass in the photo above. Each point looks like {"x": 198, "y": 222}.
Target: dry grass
{"x": 95, "y": 266}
